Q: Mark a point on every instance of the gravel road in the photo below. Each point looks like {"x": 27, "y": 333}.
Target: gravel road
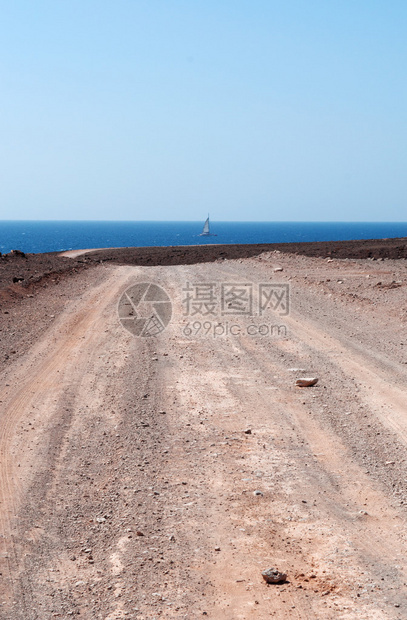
{"x": 158, "y": 476}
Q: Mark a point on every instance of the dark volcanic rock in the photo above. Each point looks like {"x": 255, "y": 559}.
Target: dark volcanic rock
{"x": 187, "y": 255}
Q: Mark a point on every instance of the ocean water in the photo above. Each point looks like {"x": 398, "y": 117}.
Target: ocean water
{"x": 56, "y": 236}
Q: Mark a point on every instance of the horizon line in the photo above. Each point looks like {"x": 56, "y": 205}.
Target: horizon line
{"x": 216, "y": 221}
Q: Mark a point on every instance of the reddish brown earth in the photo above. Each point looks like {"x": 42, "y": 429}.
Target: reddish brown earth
{"x": 105, "y": 436}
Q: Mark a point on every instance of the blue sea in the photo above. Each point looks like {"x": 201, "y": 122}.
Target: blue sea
{"x": 56, "y": 236}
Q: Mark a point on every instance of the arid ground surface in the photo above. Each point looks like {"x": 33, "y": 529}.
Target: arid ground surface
{"x": 158, "y": 476}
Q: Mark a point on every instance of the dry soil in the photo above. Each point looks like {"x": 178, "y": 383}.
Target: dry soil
{"x": 158, "y": 476}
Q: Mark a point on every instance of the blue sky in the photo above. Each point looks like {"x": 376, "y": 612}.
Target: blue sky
{"x": 168, "y": 109}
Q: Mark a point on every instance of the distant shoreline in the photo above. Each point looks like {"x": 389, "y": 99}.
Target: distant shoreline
{"x": 189, "y": 254}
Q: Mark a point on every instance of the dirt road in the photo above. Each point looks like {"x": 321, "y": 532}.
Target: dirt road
{"x": 146, "y": 477}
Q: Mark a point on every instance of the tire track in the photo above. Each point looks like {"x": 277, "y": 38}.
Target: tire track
{"x": 41, "y": 379}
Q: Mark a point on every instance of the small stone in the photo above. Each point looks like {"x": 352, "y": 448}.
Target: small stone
{"x": 257, "y": 492}
{"x": 248, "y": 431}
{"x": 217, "y": 548}
{"x": 276, "y": 269}
{"x": 138, "y": 533}
{"x": 272, "y": 575}
{"x": 306, "y": 382}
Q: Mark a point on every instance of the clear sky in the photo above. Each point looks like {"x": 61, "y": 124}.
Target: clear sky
{"x": 168, "y": 109}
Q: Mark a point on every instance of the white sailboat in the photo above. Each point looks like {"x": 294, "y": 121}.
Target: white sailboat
{"x": 206, "y": 231}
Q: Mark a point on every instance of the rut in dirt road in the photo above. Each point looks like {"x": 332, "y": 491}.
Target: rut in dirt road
{"x": 45, "y": 381}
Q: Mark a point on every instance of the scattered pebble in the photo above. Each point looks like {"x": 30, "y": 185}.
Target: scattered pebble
{"x": 306, "y": 382}
{"x": 272, "y": 575}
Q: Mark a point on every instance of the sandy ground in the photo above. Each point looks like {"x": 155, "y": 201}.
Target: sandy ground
{"x": 76, "y": 253}
{"x": 130, "y": 486}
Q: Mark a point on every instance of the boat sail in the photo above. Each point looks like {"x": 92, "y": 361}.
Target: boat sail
{"x": 206, "y": 231}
